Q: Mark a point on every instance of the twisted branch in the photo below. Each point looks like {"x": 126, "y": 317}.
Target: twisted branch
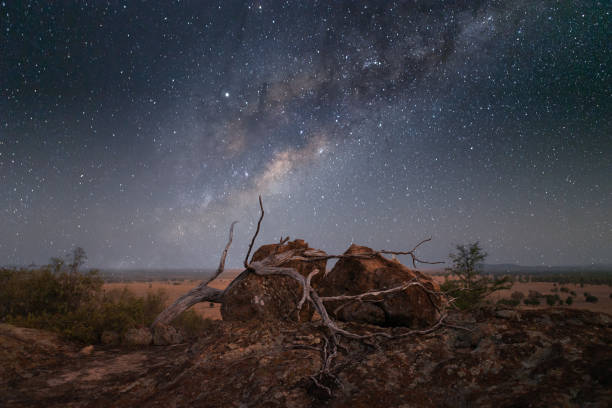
{"x": 273, "y": 265}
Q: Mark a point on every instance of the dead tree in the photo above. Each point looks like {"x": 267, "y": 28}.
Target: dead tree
{"x": 273, "y": 265}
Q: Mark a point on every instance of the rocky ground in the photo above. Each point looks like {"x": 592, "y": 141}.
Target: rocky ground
{"x": 555, "y": 357}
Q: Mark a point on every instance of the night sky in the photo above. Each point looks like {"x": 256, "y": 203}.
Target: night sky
{"x": 140, "y": 129}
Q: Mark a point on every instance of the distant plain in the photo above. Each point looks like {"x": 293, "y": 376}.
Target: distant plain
{"x": 177, "y": 286}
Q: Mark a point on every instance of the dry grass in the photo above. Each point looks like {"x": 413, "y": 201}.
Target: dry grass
{"x": 174, "y": 289}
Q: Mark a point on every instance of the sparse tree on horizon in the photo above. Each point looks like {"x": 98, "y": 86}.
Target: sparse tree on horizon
{"x": 471, "y": 288}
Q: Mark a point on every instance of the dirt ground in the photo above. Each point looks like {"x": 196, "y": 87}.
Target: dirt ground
{"x": 602, "y": 292}
{"x": 174, "y": 289}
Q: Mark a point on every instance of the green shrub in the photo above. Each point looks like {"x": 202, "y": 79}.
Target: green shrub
{"x": 508, "y": 302}
{"x": 564, "y": 289}
{"x": 58, "y": 297}
{"x": 471, "y": 288}
{"x": 552, "y": 299}
{"x": 590, "y": 298}
{"x": 518, "y": 296}
{"x": 26, "y": 291}
{"x": 569, "y": 300}
{"x": 192, "y": 324}
{"x": 531, "y": 301}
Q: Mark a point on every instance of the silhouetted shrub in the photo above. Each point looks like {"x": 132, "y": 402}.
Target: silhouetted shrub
{"x": 508, "y": 302}
{"x": 590, "y": 298}
{"x": 192, "y": 324}
{"x": 531, "y": 301}
{"x": 58, "y": 297}
{"x": 552, "y": 299}
{"x": 569, "y": 300}
{"x": 471, "y": 288}
{"x": 516, "y": 295}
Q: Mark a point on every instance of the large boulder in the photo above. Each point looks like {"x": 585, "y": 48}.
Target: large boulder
{"x": 271, "y": 298}
{"x": 412, "y": 307}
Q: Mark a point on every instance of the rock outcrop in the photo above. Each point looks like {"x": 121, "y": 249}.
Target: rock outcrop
{"x": 413, "y": 307}
{"x": 540, "y": 358}
{"x": 270, "y": 298}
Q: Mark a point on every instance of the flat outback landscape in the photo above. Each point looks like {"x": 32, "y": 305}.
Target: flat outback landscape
{"x": 176, "y": 288}
{"x": 305, "y": 204}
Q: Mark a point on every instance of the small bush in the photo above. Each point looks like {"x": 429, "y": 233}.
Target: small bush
{"x": 508, "y": 302}
{"x": 552, "y": 299}
{"x": 531, "y": 301}
{"x": 192, "y": 324}
{"x": 573, "y": 293}
{"x": 569, "y": 301}
{"x": 58, "y": 297}
{"x": 590, "y": 298}
{"x": 471, "y": 288}
{"x": 564, "y": 289}
{"x": 518, "y": 296}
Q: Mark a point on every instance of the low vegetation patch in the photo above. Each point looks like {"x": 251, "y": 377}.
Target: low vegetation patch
{"x": 60, "y": 298}
{"x": 471, "y": 289}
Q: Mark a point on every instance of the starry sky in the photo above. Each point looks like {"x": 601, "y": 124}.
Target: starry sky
{"x": 140, "y": 129}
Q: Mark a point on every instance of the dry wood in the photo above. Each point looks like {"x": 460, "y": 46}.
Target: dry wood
{"x": 201, "y": 293}
{"x": 273, "y": 265}
{"x": 246, "y": 258}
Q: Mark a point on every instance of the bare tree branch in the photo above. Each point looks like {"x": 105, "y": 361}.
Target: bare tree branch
{"x": 273, "y": 265}
{"x": 246, "y": 258}
{"x": 399, "y": 288}
{"x": 224, "y": 254}
{"x": 314, "y": 255}
{"x": 201, "y": 293}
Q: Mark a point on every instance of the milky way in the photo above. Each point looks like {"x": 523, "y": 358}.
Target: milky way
{"x": 140, "y": 129}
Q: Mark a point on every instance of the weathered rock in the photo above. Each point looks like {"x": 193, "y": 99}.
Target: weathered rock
{"x": 164, "y": 335}
{"x": 138, "y": 337}
{"x": 87, "y": 350}
{"x": 270, "y": 297}
{"x": 254, "y": 365}
{"x": 413, "y": 307}
{"x": 110, "y": 338}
